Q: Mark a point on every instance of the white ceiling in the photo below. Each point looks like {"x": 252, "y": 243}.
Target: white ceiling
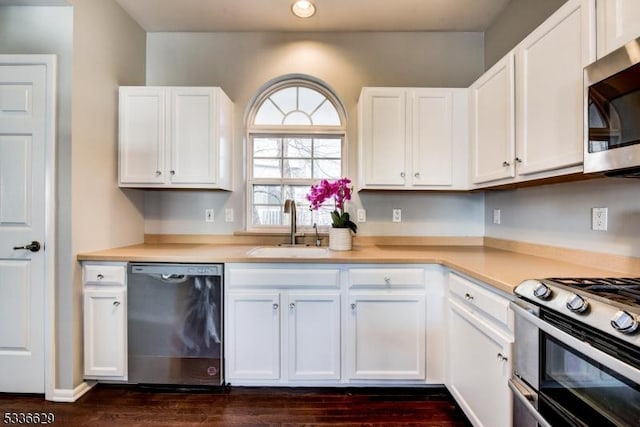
{"x": 331, "y": 15}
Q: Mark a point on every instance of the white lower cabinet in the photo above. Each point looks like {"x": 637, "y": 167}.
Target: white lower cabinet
{"x": 253, "y": 336}
{"x": 322, "y": 324}
{"x": 283, "y": 324}
{"x": 313, "y": 325}
{"x": 479, "y": 346}
{"x": 386, "y": 323}
{"x": 105, "y": 321}
{"x": 386, "y": 336}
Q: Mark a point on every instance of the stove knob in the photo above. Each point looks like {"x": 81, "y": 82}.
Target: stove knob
{"x": 577, "y": 304}
{"x": 542, "y": 291}
{"x": 624, "y": 322}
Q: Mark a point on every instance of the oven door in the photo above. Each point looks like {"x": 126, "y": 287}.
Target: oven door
{"x": 579, "y": 385}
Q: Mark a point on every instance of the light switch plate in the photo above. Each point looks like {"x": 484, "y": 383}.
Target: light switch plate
{"x": 599, "y": 219}
{"x": 228, "y": 215}
{"x": 362, "y": 215}
{"x": 209, "y": 215}
{"x": 397, "y": 215}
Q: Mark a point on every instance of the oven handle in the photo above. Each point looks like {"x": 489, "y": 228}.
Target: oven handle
{"x": 627, "y": 371}
{"x": 525, "y": 397}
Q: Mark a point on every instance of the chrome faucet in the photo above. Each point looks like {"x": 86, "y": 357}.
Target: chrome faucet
{"x": 290, "y": 208}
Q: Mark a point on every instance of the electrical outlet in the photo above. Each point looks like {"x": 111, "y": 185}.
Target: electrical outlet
{"x": 362, "y": 215}
{"x": 397, "y": 215}
{"x": 599, "y": 219}
{"x": 209, "y": 215}
{"x": 228, "y": 214}
{"x": 496, "y": 216}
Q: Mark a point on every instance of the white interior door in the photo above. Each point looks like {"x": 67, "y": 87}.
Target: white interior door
{"x": 23, "y": 137}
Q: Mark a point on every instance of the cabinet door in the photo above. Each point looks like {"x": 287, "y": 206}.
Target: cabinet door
{"x": 253, "y": 336}
{"x": 193, "y": 132}
{"x": 492, "y": 123}
{"x": 383, "y": 136}
{"x": 479, "y": 368}
{"x": 105, "y": 336}
{"x": 549, "y": 64}
{"x": 618, "y": 22}
{"x": 313, "y": 336}
{"x": 142, "y": 136}
{"x": 386, "y": 336}
{"x": 432, "y": 137}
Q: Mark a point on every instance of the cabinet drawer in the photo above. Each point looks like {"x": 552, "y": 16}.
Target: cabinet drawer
{"x": 386, "y": 277}
{"x": 283, "y": 277}
{"x": 104, "y": 274}
{"x": 493, "y": 305}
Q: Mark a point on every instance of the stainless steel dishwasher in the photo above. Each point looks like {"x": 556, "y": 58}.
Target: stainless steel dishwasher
{"x": 175, "y": 324}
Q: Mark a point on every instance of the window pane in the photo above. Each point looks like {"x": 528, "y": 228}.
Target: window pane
{"x": 326, "y": 115}
{"x": 309, "y": 100}
{"x": 266, "y": 147}
{"x": 297, "y": 147}
{"x": 286, "y": 99}
{"x": 266, "y": 168}
{"x": 268, "y": 114}
{"x": 327, "y": 148}
{"x": 267, "y": 195}
{"x": 327, "y": 168}
{"x": 267, "y": 215}
{"x": 296, "y": 168}
{"x": 297, "y": 118}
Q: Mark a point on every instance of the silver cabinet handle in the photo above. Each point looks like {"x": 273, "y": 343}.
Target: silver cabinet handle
{"x": 468, "y": 296}
{"x": 402, "y": 174}
{"x": 387, "y": 280}
{"x": 505, "y": 164}
{"x": 275, "y": 306}
{"x": 416, "y": 175}
{"x": 172, "y": 173}
{"x": 353, "y": 306}
{"x": 502, "y": 358}
{"x": 518, "y": 160}
{"x": 292, "y": 305}
{"x": 100, "y": 276}
{"x": 158, "y": 173}
{"x": 116, "y": 303}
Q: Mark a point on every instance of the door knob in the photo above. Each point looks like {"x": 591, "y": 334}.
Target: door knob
{"x": 33, "y": 246}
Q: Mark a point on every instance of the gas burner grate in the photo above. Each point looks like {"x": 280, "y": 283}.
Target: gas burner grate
{"x": 625, "y": 290}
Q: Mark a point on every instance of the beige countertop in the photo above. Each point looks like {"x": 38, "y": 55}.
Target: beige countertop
{"x": 500, "y": 268}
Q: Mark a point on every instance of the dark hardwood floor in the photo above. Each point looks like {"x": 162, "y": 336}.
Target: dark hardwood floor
{"x": 111, "y": 405}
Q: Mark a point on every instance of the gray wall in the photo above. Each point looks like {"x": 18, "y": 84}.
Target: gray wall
{"x": 560, "y": 215}
{"x": 108, "y": 51}
{"x": 517, "y": 20}
{"x": 242, "y": 62}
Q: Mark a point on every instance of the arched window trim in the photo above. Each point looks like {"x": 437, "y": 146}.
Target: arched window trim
{"x": 253, "y": 131}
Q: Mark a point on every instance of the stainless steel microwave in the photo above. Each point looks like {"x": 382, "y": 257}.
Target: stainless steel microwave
{"x": 612, "y": 116}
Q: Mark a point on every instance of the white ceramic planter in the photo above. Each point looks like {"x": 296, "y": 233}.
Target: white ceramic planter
{"x": 340, "y": 239}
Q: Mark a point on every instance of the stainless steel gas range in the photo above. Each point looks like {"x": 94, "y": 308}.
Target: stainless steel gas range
{"x": 577, "y": 352}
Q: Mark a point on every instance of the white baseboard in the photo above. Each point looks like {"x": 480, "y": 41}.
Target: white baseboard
{"x": 67, "y": 395}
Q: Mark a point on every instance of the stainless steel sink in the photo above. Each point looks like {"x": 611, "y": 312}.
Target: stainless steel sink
{"x": 289, "y": 252}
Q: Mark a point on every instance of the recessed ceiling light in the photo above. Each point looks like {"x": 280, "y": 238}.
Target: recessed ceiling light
{"x": 303, "y": 8}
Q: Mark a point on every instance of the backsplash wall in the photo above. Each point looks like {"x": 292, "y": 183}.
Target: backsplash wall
{"x": 560, "y": 215}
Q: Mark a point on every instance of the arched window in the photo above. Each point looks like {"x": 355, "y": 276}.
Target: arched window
{"x": 296, "y": 132}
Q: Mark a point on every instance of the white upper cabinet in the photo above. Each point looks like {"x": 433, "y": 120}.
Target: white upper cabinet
{"x": 544, "y": 110}
{"x": 492, "y": 122}
{"x": 549, "y": 92}
{"x": 618, "y": 22}
{"x": 412, "y": 138}
{"x": 176, "y": 137}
